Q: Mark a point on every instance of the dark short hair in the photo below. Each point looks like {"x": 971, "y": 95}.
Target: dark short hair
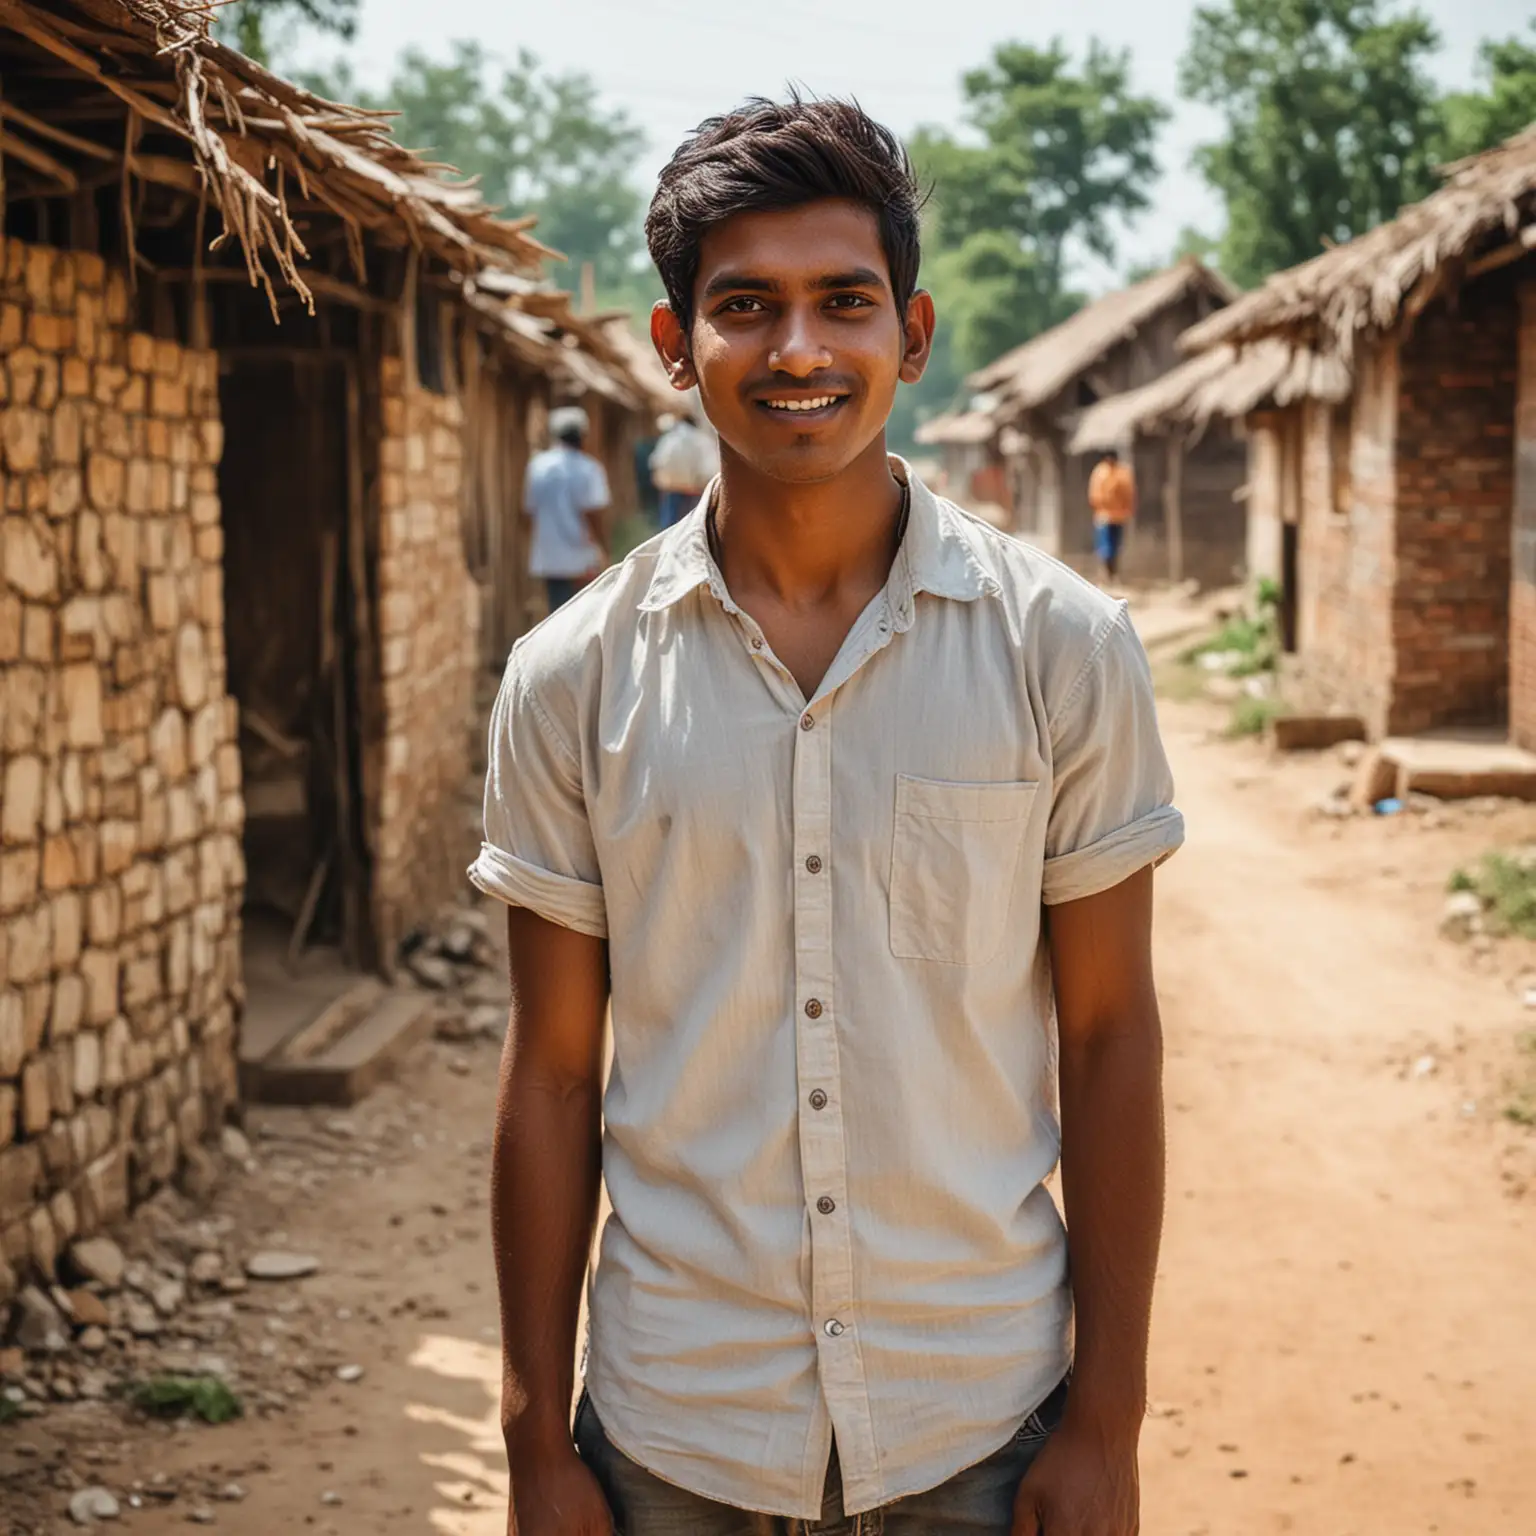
{"x": 768, "y": 155}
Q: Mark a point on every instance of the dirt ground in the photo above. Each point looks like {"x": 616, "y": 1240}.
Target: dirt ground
{"x": 1347, "y": 1306}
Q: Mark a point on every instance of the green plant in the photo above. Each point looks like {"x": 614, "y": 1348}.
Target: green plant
{"x": 1460, "y": 881}
{"x": 1251, "y": 717}
{"x": 1506, "y": 885}
{"x": 204, "y": 1397}
{"x": 10, "y": 1409}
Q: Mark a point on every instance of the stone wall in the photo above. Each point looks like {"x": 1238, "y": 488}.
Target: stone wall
{"x": 1347, "y": 559}
{"x": 120, "y": 811}
{"x": 1455, "y": 491}
{"x": 1522, "y": 596}
{"x": 429, "y": 628}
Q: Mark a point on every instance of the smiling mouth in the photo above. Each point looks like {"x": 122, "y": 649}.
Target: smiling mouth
{"x": 809, "y": 405}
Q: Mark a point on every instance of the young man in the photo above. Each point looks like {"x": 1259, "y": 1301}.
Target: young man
{"x": 847, "y": 807}
{"x": 1112, "y": 499}
{"x": 685, "y": 460}
{"x": 565, "y": 492}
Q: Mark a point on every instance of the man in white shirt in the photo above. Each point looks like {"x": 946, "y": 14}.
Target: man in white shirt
{"x": 846, "y": 805}
{"x": 683, "y": 462}
{"x": 565, "y": 492}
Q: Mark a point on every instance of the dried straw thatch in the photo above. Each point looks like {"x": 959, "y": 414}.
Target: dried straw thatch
{"x": 1041, "y": 368}
{"x": 1225, "y": 382}
{"x": 203, "y": 119}
{"x": 1483, "y": 217}
{"x": 957, "y": 427}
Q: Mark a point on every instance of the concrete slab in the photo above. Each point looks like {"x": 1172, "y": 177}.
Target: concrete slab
{"x": 1460, "y": 765}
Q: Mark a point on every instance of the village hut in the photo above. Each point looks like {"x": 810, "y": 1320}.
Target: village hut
{"x": 973, "y": 469}
{"x": 1043, "y": 388}
{"x": 237, "y": 625}
{"x": 1393, "y": 478}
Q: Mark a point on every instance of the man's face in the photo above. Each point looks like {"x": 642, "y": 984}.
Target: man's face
{"x": 797, "y": 343}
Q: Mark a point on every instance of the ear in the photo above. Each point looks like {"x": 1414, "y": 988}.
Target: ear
{"x": 918, "y": 336}
{"x": 671, "y": 343}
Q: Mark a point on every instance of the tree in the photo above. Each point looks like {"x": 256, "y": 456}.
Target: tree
{"x": 248, "y": 22}
{"x": 1477, "y": 120}
{"x": 1060, "y": 153}
{"x": 540, "y": 143}
{"x": 1332, "y": 122}
{"x": 1191, "y": 242}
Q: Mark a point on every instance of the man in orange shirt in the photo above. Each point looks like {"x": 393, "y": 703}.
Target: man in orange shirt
{"x": 1112, "y": 495}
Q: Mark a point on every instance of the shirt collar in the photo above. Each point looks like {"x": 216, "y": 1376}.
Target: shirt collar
{"x": 942, "y": 553}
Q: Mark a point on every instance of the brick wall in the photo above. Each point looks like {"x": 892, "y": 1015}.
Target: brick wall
{"x": 1522, "y": 615}
{"x": 120, "y": 811}
{"x": 1455, "y": 490}
{"x": 1347, "y": 559}
{"x": 428, "y": 634}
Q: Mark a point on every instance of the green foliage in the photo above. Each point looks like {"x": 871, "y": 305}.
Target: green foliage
{"x": 1477, "y": 120}
{"x": 10, "y": 1409}
{"x": 1251, "y": 717}
{"x": 1505, "y": 883}
{"x": 1191, "y": 242}
{"x": 1056, "y": 152}
{"x": 1460, "y": 880}
{"x": 1332, "y": 122}
{"x": 540, "y": 142}
{"x": 249, "y": 23}
{"x": 204, "y": 1397}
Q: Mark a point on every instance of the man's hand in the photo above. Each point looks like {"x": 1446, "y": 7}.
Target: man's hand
{"x": 557, "y": 1496}
{"x": 1080, "y": 1485}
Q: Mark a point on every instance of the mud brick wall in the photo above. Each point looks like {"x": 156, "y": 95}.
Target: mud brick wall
{"x": 120, "y": 812}
{"x": 1455, "y": 491}
{"x": 1347, "y": 562}
{"x": 429, "y": 632}
{"x": 1522, "y": 595}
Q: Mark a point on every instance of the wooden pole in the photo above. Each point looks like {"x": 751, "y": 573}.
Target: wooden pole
{"x": 1173, "y": 506}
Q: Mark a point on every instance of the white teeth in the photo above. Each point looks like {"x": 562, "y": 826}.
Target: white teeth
{"x": 820, "y": 403}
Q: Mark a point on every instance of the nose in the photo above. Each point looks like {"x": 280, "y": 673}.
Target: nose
{"x": 797, "y": 349}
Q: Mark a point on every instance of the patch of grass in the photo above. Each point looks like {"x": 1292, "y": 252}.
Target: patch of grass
{"x": 1505, "y": 883}
{"x": 10, "y": 1409}
{"x": 1521, "y": 1108}
{"x": 1251, "y": 717}
{"x": 1252, "y": 640}
{"x": 203, "y": 1397}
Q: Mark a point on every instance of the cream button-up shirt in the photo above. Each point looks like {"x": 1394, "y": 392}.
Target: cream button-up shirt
{"x": 832, "y": 1108}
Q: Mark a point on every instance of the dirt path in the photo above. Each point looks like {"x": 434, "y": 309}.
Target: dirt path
{"x": 1348, "y": 1299}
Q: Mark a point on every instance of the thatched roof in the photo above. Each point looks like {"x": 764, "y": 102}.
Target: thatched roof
{"x": 1482, "y": 218}
{"x": 957, "y": 427}
{"x": 1222, "y": 382}
{"x": 1033, "y": 373}
{"x": 140, "y": 91}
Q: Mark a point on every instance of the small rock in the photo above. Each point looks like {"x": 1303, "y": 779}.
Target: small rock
{"x": 137, "y": 1277}
{"x": 142, "y": 1320}
{"x": 231, "y": 1493}
{"x": 98, "y": 1259}
{"x": 276, "y": 1265}
{"x": 1529, "y": 998}
{"x": 92, "y": 1504}
{"x": 233, "y": 1285}
{"x": 1336, "y": 805}
{"x": 458, "y": 943}
{"x": 330, "y": 1499}
{"x": 206, "y": 1269}
{"x": 92, "y": 1340}
{"x": 459, "y": 1065}
{"x": 200, "y": 1514}
{"x": 198, "y": 1176}
{"x": 168, "y": 1297}
{"x": 432, "y": 971}
{"x": 489, "y": 1021}
{"x": 1350, "y": 752}
{"x": 12, "y": 1362}
{"x": 1424, "y": 1066}
{"x": 38, "y": 1324}
{"x": 95, "y": 1386}
{"x": 452, "y": 1027}
{"x": 349, "y": 1373}
{"x": 234, "y": 1145}
{"x": 88, "y": 1310}
{"x": 1462, "y": 915}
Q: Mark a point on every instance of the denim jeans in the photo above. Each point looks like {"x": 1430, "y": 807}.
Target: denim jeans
{"x": 975, "y": 1502}
{"x": 561, "y": 589}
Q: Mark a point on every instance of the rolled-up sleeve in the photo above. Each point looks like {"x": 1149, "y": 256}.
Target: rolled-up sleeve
{"x": 538, "y": 851}
{"x": 1112, "y": 792}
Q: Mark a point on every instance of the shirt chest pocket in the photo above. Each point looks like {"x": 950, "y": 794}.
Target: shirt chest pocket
{"x": 954, "y": 859}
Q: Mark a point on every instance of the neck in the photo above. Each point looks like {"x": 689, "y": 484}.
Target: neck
{"x": 804, "y": 543}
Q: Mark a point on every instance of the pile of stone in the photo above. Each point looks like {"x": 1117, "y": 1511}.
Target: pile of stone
{"x": 459, "y": 958}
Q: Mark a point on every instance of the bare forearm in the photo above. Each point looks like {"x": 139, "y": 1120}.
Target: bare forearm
{"x": 1112, "y": 1185}
{"x": 544, "y": 1193}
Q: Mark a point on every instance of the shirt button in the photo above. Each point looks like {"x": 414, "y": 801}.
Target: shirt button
{"x": 826, "y": 1205}
{"x": 834, "y": 1329}
{"x": 813, "y": 1009}
{"x": 813, "y": 864}
{"x": 807, "y": 722}
{"x": 818, "y": 1099}
{"x": 757, "y": 644}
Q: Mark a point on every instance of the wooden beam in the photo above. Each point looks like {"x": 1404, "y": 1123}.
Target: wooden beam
{"x": 167, "y": 171}
{"x": 321, "y": 282}
{"x": 39, "y": 160}
{"x": 11, "y": 113}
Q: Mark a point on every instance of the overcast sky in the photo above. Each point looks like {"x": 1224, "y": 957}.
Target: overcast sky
{"x": 672, "y": 62}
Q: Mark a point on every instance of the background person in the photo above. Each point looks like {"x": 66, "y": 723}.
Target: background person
{"x": 1112, "y": 497}
{"x": 565, "y": 492}
{"x": 685, "y": 460}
